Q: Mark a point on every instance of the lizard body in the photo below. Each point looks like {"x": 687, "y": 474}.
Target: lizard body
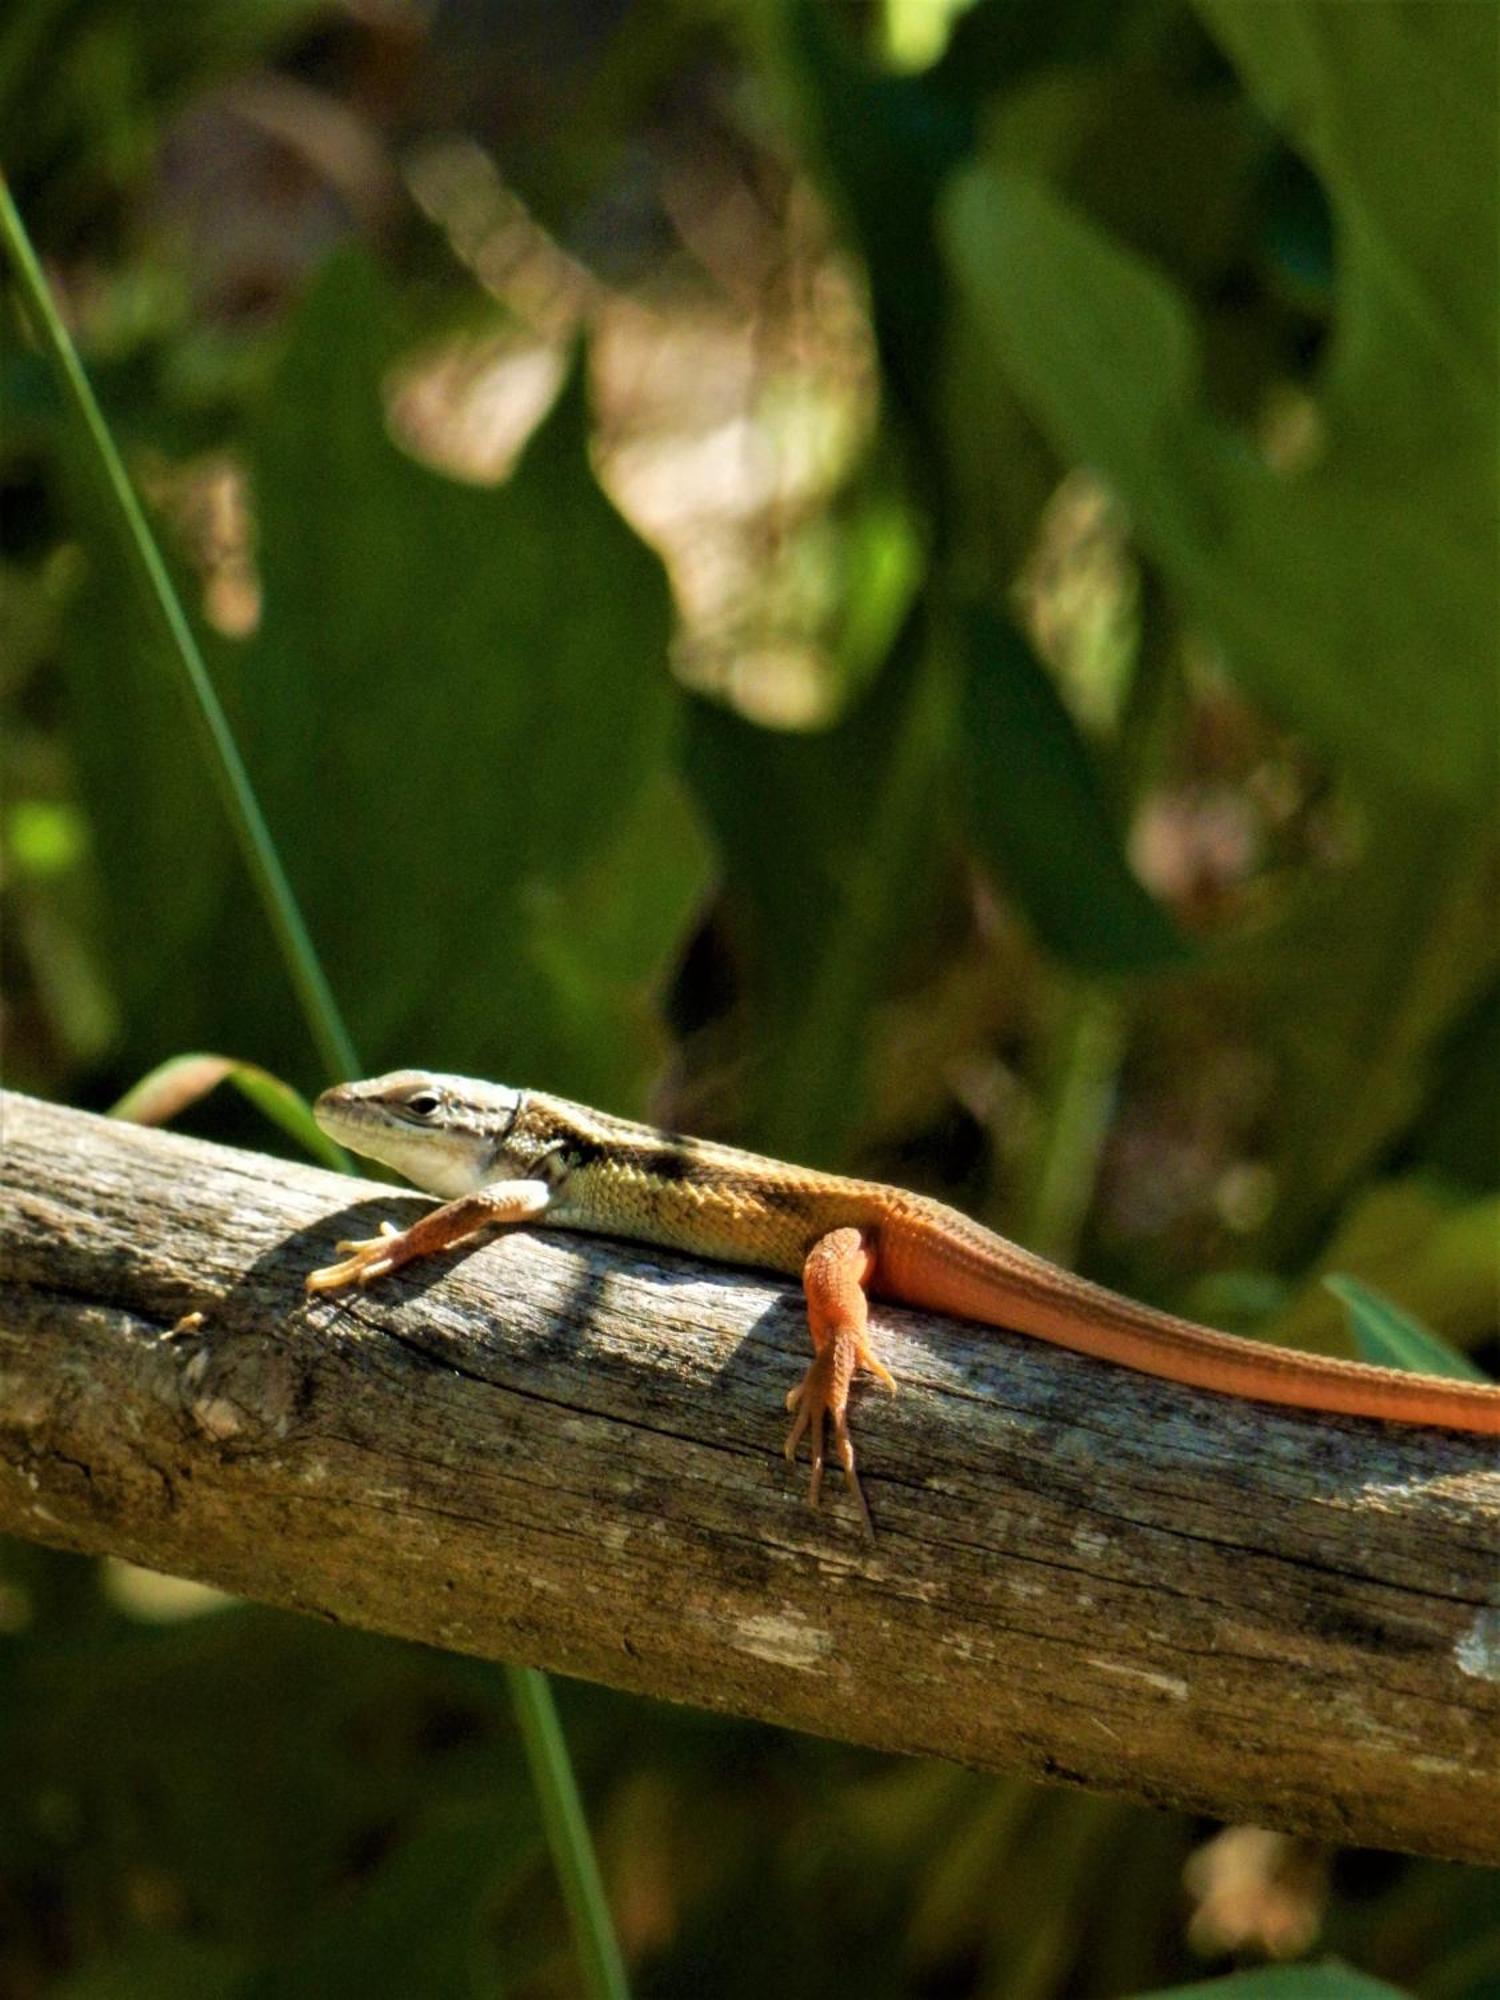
{"x": 500, "y": 1155}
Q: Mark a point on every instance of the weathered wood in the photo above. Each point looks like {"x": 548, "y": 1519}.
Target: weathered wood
{"x": 567, "y": 1452}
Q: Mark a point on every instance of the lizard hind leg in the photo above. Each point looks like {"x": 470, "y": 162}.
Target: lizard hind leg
{"x": 833, "y": 1278}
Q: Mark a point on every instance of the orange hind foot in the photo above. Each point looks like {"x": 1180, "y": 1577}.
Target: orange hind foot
{"x": 834, "y": 1277}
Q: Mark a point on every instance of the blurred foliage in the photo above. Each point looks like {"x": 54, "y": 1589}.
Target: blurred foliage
{"x": 912, "y": 584}
{"x": 441, "y": 681}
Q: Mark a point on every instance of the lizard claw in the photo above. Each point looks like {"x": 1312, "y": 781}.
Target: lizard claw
{"x": 387, "y": 1230}
{"x": 367, "y": 1257}
{"x": 821, "y": 1395}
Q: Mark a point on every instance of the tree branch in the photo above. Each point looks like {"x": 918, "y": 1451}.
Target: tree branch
{"x": 566, "y": 1451}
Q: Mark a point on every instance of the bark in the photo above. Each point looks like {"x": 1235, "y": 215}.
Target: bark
{"x": 566, "y": 1451}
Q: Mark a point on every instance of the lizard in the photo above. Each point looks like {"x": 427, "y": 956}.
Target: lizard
{"x": 497, "y": 1155}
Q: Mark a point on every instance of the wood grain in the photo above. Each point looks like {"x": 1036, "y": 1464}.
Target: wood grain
{"x": 566, "y": 1452}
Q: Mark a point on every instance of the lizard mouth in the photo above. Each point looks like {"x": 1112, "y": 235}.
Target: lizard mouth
{"x": 338, "y": 1113}
{"x": 410, "y": 1124}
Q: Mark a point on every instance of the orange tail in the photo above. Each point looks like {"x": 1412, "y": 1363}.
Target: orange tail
{"x": 984, "y": 1278}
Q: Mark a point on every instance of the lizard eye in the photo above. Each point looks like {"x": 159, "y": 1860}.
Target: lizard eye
{"x": 423, "y": 1103}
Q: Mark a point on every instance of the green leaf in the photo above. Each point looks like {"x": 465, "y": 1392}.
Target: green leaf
{"x": 1036, "y": 811}
{"x": 1358, "y": 597}
{"x": 458, "y": 708}
{"x": 1410, "y": 173}
{"x": 172, "y": 1086}
{"x": 1285, "y": 1982}
{"x": 831, "y": 843}
{"x": 888, "y": 143}
{"x": 1392, "y": 1338}
{"x": 460, "y": 722}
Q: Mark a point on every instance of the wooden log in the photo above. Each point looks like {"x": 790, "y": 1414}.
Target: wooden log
{"x": 565, "y": 1451}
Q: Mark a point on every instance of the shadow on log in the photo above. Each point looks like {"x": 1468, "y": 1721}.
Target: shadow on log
{"x": 567, "y": 1452}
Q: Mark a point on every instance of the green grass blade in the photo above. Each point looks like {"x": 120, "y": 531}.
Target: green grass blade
{"x": 173, "y": 1085}
{"x": 551, "y": 1768}
{"x": 321, "y": 1010}
{"x": 567, "y": 1834}
{"x": 1391, "y": 1338}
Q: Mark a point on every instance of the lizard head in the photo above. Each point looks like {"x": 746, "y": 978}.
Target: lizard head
{"x": 446, "y": 1134}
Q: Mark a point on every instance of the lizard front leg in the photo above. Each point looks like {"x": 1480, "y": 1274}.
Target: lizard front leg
{"x": 373, "y": 1257}
{"x": 838, "y": 1315}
